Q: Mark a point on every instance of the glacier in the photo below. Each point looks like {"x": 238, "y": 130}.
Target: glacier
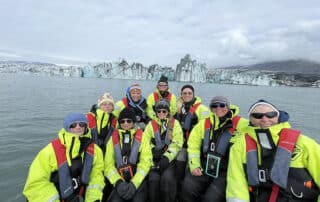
{"x": 187, "y": 70}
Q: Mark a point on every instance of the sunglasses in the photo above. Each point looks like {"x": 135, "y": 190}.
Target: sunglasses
{"x": 162, "y": 85}
{"x": 216, "y": 105}
{"x": 186, "y": 93}
{"x": 269, "y": 115}
{"x": 162, "y": 111}
{"x": 81, "y": 124}
{"x": 122, "y": 121}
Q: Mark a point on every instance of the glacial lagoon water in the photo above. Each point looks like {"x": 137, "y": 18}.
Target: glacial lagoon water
{"x": 33, "y": 107}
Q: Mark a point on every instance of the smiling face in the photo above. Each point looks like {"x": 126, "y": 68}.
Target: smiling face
{"x": 106, "y": 107}
{"x": 219, "y": 108}
{"x": 78, "y": 128}
{"x": 126, "y": 124}
{"x": 162, "y": 86}
{"x": 187, "y": 95}
{"x": 259, "y": 116}
{"x": 135, "y": 95}
{"x": 162, "y": 113}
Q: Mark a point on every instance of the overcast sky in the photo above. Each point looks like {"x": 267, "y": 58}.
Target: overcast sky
{"x": 215, "y": 32}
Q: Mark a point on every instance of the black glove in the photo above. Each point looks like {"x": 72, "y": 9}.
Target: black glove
{"x": 121, "y": 188}
{"x": 131, "y": 190}
{"x": 157, "y": 153}
{"x": 163, "y": 164}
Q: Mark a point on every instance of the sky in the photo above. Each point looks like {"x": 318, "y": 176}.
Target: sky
{"x": 216, "y": 32}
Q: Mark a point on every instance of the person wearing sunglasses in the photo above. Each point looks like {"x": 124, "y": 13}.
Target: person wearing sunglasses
{"x": 271, "y": 161}
{"x": 166, "y": 138}
{"x": 228, "y": 114}
{"x": 128, "y": 160}
{"x": 162, "y": 92}
{"x": 69, "y": 168}
{"x": 137, "y": 102}
{"x": 208, "y": 147}
{"x": 190, "y": 111}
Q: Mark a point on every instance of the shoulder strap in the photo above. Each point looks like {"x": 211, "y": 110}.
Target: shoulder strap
{"x": 65, "y": 180}
{"x": 125, "y": 101}
{"x": 156, "y": 97}
{"x": 281, "y": 164}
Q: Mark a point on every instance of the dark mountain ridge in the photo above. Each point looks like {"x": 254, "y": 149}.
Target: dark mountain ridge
{"x": 303, "y": 67}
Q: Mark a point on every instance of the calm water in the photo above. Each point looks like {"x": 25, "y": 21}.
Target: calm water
{"x": 33, "y": 107}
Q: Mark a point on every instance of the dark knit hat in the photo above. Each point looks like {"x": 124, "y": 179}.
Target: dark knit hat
{"x": 73, "y": 118}
{"x": 162, "y": 104}
{"x": 127, "y": 113}
{"x": 220, "y": 99}
{"x": 187, "y": 86}
{"x": 163, "y": 79}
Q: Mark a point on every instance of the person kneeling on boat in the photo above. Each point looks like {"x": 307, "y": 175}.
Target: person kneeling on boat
{"x": 271, "y": 161}
{"x": 69, "y": 168}
{"x": 128, "y": 160}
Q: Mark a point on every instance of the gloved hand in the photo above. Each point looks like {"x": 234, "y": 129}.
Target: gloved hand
{"x": 131, "y": 191}
{"x": 121, "y": 188}
{"x": 163, "y": 164}
{"x": 157, "y": 153}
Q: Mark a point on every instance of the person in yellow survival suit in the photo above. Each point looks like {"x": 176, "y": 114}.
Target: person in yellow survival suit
{"x": 208, "y": 151}
{"x": 165, "y": 134}
{"x": 162, "y": 92}
{"x": 69, "y": 168}
{"x": 134, "y": 100}
{"x": 190, "y": 111}
{"x": 271, "y": 161}
{"x": 128, "y": 160}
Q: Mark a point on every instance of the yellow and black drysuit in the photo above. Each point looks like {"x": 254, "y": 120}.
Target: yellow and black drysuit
{"x": 208, "y": 149}
{"x": 189, "y": 114}
{"x": 128, "y": 160}
{"x": 166, "y": 139}
{"x": 273, "y": 164}
{"x": 80, "y": 169}
{"x": 154, "y": 97}
{"x": 102, "y": 124}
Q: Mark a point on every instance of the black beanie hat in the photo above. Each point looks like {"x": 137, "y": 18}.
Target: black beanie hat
{"x": 162, "y": 104}
{"x": 127, "y": 113}
{"x": 187, "y": 86}
{"x": 163, "y": 79}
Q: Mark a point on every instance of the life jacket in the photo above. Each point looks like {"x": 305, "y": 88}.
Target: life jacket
{"x": 235, "y": 120}
{"x": 134, "y": 149}
{"x": 66, "y": 186}
{"x": 187, "y": 122}
{"x": 157, "y": 136}
{"x": 290, "y": 180}
{"x": 222, "y": 144}
{"x": 157, "y": 98}
{"x": 125, "y": 101}
{"x": 94, "y": 130}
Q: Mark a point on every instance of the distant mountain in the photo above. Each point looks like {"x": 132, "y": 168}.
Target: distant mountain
{"x": 304, "y": 67}
{"x": 298, "y": 73}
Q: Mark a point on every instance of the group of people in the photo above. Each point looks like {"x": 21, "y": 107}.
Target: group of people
{"x": 168, "y": 149}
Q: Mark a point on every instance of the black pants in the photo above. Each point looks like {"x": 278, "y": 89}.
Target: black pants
{"x": 203, "y": 188}
{"x": 107, "y": 190}
{"x": 163, "y": 187}
{"x": 140, "y": 195}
